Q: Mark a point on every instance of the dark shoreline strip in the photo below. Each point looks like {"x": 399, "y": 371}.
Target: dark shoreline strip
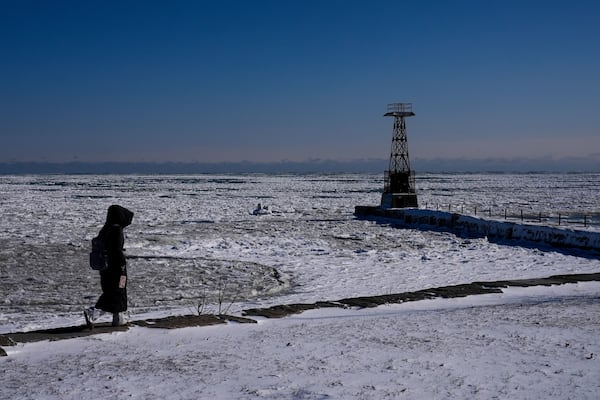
{"x": 468, "y": 289}
{"x": 279, "y": 311}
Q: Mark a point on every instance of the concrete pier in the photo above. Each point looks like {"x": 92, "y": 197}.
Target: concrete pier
{"x": 478, "y": 227}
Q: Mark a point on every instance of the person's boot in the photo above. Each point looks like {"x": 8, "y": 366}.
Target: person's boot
{"x": 118, "y": 319}
{"x": 90, "y": 316}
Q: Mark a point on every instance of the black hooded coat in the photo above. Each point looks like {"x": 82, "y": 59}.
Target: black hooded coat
{"x": 114, "y": 298}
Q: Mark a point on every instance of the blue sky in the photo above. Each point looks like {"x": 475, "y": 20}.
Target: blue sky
{"x": 264, "y": 81}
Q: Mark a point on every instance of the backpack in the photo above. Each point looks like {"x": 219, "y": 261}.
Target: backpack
{"x": 98, "y": 256}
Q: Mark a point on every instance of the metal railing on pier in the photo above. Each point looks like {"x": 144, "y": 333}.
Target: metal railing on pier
{"x": 567, "y": 219}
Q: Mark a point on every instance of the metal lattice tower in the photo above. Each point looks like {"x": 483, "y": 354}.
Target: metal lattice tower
{"x": 399, "y": 188}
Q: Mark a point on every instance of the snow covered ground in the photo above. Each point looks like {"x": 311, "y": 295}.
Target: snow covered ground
{"x": 528, "y": 343}
{"x": 194, "y": 238}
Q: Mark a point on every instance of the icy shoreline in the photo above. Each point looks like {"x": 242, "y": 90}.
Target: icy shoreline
{"x": 478, "y": 227}
{"x": 285, "y": 310}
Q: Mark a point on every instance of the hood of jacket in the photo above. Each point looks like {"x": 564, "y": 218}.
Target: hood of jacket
{"x": 118, "y": 215}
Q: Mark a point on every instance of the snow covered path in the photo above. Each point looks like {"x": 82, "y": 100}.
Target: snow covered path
{"x": 531, "y": 342}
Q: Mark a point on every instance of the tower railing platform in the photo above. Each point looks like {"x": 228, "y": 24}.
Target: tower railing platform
{"x": 399, "y": 110}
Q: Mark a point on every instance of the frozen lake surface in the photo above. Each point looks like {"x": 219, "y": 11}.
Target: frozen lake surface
{"x": 194, "y": 239}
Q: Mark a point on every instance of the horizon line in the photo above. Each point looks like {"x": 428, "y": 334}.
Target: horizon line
{"x": 588, "y": 164}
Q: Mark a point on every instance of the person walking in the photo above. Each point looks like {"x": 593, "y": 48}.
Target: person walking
{"x": 113, "y": 279}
